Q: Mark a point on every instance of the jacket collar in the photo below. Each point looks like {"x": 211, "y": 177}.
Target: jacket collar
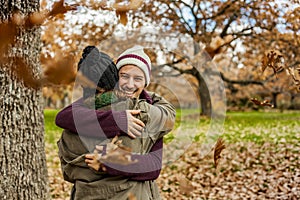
{"x": 146, "y": 96}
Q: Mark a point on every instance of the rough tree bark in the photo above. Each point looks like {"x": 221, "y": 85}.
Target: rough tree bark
{"x": 23, "y": 170}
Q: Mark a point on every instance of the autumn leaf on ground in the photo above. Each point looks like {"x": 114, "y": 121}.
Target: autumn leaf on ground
{"x": 185, "y": 186}
{"x": 272, "y": 59}
{"x": 59, "y": 70}
{"x": 261, "y": 103}
{"x": 219, "y": 147}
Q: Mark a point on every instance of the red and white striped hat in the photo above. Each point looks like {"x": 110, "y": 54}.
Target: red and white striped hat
{"x": 136, "y": 56}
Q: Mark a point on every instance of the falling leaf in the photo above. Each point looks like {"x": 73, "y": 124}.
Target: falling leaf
{"x": 18, "y": 19}
{"x": 123, "y": 17}
{"x": 59, "y": 70}
{"x": 122, "y": 9}
{"x": 24, "y": 74}
{"x": 59, "y": 8}
{"x": 100, "y": 5}
{"x": 219, "y": 147}
{"x": 7, "y": 35}
{"x": 36, "y": 18}
{"x": 133, "y": 5}
{"x": 117, "y": 153}
{"x": 261, "y": 103}
{"x": 272, "y": 59}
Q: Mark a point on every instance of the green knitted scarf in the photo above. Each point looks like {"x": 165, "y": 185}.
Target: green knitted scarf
{"x": 102, "y": 99}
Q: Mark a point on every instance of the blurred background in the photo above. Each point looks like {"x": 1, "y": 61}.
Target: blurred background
{"x": 253, "y": 45}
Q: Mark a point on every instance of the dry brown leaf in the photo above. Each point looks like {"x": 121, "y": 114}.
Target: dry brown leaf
{"x": 18, "y": 19}
{"x": 122, "y": 9}
{"x": 24, "y": 74}
{"x": 43, "y": 4}
{"x": 123, "y": 17}
{"x": 272, "y": 59}
{"x": 59, "y": 8}
{"x": 7, "y": 35}
{"x": 36, "y": 18}
{"x": 99, "y": 5}
{"x": 185, "y": 186}
{"x": 219, "y": 147}
{"x": 261, "y": 103}
{"x": 133, "y": 5}
{"x": 116, "y": 153}
{"x": 59, "y": 70}
{"x": 131, "y": 196}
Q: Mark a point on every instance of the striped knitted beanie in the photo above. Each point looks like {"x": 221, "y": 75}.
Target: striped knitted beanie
{"x": 136, "y": 56}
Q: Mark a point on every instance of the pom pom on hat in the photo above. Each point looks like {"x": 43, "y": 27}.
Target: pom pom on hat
{"x": 136, "y": 56}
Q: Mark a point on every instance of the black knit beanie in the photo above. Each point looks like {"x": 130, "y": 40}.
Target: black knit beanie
{"x": 99, "y": 68}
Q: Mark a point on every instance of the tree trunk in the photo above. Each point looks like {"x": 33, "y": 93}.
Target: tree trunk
{"x": 203, "y": 90}
{"x": 203, "y": 93}
{"x": 274, "y": 98}
{"x": 23, "y": 170}
{"x": 292, "y": 106}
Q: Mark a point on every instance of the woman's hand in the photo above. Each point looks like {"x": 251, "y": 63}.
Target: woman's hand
{"x": 93, "y": 159}
{"x": 135, "y": 126}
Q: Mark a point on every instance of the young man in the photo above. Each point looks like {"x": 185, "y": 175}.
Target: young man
{"x": 134, "y": 68}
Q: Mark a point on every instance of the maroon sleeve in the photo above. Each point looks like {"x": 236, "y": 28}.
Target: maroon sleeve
{"x": 147, "y": 168}
{"x": 88, "y": 122}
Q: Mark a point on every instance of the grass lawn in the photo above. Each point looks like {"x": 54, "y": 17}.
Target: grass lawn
{"x": 260, "y": 147}
{"x": 239, "y": 126}
{"x": 260, "y": 127}
{"x": 52, "y": 132}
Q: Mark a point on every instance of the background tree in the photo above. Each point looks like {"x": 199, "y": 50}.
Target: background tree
{"x": 226, "y": 29}
{"x": 22, "y": 156}
{"x": 235, "y": 35}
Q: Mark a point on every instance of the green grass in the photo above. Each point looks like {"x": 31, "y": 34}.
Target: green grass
{"x": 260, "y": 127}
{"x": 255, "y": 127}
{"x": 52, "y": 132}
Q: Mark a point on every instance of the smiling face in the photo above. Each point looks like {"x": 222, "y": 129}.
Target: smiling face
{"x": 131, "y": 80}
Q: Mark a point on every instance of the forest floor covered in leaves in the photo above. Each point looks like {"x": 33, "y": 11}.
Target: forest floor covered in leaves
{"x": 261, "y": 161}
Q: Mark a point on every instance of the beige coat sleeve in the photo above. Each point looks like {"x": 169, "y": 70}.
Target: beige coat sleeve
{"x": 161, "y": 117}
